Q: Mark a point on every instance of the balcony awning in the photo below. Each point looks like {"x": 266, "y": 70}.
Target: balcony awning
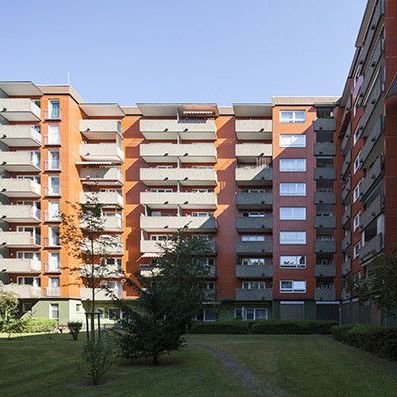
{"x": 102, "y": 109}
{"x": 94, "y": 163}
{"x": 393, "y": 88}
{"x": 151, "y": 255}
{"x": 20, "y": 88}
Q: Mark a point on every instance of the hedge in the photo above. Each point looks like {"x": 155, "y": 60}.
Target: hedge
{"x": 33, "y": 325}
{"x": 378, "y": 340}
{"x": 264, "y": 327}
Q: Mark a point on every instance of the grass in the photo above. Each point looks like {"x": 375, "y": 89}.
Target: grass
{"x": 295, "y": 365}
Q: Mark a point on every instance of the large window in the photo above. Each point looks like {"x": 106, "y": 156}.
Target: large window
{"x": 253, "y": 285}
{"x": 292, "y": 213}
{"x": 292, "y": 286}
{"x": 356, "y": 162}
{"x": 289, "y": 140}
{"x": 292, "y": 116}
{"x": 53, "y": 135}
{"x": 253, "y": 261}
{"x": 252, "y": 237}
{"x": 292, "y": 165}
{"x": 250, "y": 313}
{"x": 292, "y": 189}
{"x": 54, "y": 311}
{"x": 54, "y": 112}
{"x": 207, "y": 315}
{"x": 293, "y": 261}
{"x": 293, "y": 238}
{"x": 356, "y": 192}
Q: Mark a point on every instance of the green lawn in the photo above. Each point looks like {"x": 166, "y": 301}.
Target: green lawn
{"x": 296, "y": 365}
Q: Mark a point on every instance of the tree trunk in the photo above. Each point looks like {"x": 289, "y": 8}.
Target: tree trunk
{"x": 92, "y": 290}
{"x": 155, "y": 360}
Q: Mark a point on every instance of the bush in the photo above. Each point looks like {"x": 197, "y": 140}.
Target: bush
{"x": 382, "y": 341}
{"x": 74, "y": 328}
{"x": 264, "y": 327}
{"x": 33, "y": 325}
{"x": 226, "y": 327}
{"x": 99, "y": 356}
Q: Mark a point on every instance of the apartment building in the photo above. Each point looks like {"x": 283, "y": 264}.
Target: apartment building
{"x": 294, "y": 195}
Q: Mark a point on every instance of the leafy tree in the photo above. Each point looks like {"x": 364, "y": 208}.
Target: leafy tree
{"x": 8, "y": 306}
{"x": 82, "y": 233}
{"x": 169, "y": 298}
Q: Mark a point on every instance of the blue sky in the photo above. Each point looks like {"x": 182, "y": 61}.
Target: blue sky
{"x": 220, "y": 51}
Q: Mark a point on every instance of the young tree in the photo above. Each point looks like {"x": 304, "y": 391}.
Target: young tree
{"x": 169, "y": 298}
{"x": 9, "y": 323}
{"x": 82, "y": 233}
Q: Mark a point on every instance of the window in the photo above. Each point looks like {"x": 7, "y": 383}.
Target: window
{"x": 53, "y": 162}
{"x": 356, "y": 163}
{"x": 33, "y": 232}
{"x": 356, "y": 192}
{"x": 54, "y": 236}
{"x": 207, "y": 315}
{"x": 210, "y": 286}
{"x": 202, "y": 190}
{"x": 54, "y": 110}
{"x": 293, "y": 238}
{"x": 54, "y": 311}
{"x": 53, "y": 135}
{"x": 292, "y": 262}
{"x": 78, "y": 307}
{"x": 293, "y": 213}
{"x": 293, "y": 116}
{"x": 32, "y": 281}
{"x": 255, "y": 237}
{"x": 356, "y": 135}
{"x": 161, "y": 190}
{"x": 253, "y": 261}
{"x": 289, "y": 140}
{"x": 292, "y": 286}
{"x": 53, "y": 185}
{"x": 356, "y": 250}
{"x": 356, "y": 222}
{"x": 292, "y": 189}
{"x": 35, "y": 158}
{"x": 162, "y": 237}
{"x": 53, "y": 211}
{"x": 292, "y": 165}
{"x": 53, "y": 261}
{"x": 250, "y": 313}
{"x": 254, "y": 214}
{"x": 115, "y": 262}
{"x": 200, "y": 214}
{"x": 253, "y": 285}
{"x": 27, "y": 307}
{"x": 35, "y": 256}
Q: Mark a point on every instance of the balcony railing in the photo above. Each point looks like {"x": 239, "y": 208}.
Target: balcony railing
{"x": 16, "y": 187}
{"x": 254, "y": 294}
{"x": 254, "y": 200}
{"x": 16, "y": 135}
{"x": 254, "y": 176}
{"x": 324, "y": 294}
{"x": 19, "y": 265}
{"x": 254, "y": 247}
{"x": 19, "y": 109}
{"x": 371, "y": 248}
{"x": 254, "y": 271}
{"x": 325, "y": 270}
{"x": 52, "y": 291}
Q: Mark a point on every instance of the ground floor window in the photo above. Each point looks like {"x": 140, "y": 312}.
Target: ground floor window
{"x": 109, "y": 313}
{"x": 249, "y": 313}
{"x": 54, "y": 311}
{"x": 27, "y": 307}
{"x": 207, "y": 315}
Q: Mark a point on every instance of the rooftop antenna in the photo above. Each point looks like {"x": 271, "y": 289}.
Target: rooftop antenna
{"x": 68, "y": 78}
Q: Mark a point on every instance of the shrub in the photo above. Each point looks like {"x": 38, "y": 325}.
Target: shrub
{"x": 99, "y": 355}
{"x": 278, "y": 327}
{"x": 339, "y": 332}
{"x": 225, "y": 327}
{"x": 74, "y": 328}
{"x": 33, "y": 325}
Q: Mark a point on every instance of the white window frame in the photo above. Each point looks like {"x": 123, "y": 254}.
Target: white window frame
{"x": 293, "y": 165}
{"x": 356, "y": 249}
{"x": 50, "y": 308}
{"x": 253, "y": 237}
{"x": 292, "y": 213}
{"x": 244, "y": 310}
{"x": 294, "y": 288}
{"x": 292, "y": 140}
{"x": 356, "y": 163}
{"x": 356, "y": 221}
{"x": 297, "y": 241}
{"x": 292, "y": 189}
{"x": 356, "y": 192}
{"x": 294, "y": 119}
{"x": 292, "y": 262}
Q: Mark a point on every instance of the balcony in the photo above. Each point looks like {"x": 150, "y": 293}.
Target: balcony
{"x": 19, "y": 109}
{"x": 53, "y": 268}
{"x": 102, "y": 176}
{"x": 346, "y": 215}
{"x": 100, "y": 129}
{"x": 346, "y": 163}
{"x": 344, "y": 294}
{"x": 324, "y": 125}
{"x": 192, "y": 130}
{"x": 174, "y": 223}
{"x": 346, "y": 266}
{"x": 19, "y": 240}
{"x": 101, "y": 271}
{"x": 254, "y": 272}
{"x": 185, "y": 200}
{"x": 371, "y": 248}
{"x": 110, "y": 198}
{"x": 372, "y": 176}
{"x": 371, "y": 104}
{"x": 23, "y": 291}
{"x": 150, "y": 248}
{"x": 173, "y": 176}
{"x": 117, "y": 248}
{"x": 372, "y": 211}
{"x": 102, "y": 152}
{"x": 251, "y": 225}
{"x": 254, "y": 247}
{"x": 20, "y": 135}
{"x": 324, "y": 149}
{"x": 52, "y": 292}
{"x": 324, "y": 198}
{"x": 373, "y": 135}
{"x": 325, "y": 222}
{"x": 256, "y": 130}
{"x": 17, "y": 265}
{"x": 346, "y": 139}
{"x": 102, "y": 294}
{"x": 243, "y": 294}
{"x": 110, "y": 224}
{"x": 346, "y": 242}
{"x": 250, "y": 152}
{"x": 326, "y": 246}
{"x": 21, "y": 161}
{"x": 325, "y": 270}
{"x": 324, "y": 294}
{"x": 172, "y": 153}
{"x": 21, "y": 188}
{"x": 258, "y": 176}
{"x": 324, "y": 173}
{"x": 254, "y": 201}
{"x": 19, "y": 214}
{"x": 346, "y": 189}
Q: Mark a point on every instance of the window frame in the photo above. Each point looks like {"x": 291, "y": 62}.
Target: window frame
{"x": 296, "y": 192}
{"x": 294, "y": 119}
{"x": 294, "y": 138}
{"x": 293, "y": 214}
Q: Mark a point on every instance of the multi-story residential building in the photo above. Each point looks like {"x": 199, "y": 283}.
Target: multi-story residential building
{"x": 294, "y": 195}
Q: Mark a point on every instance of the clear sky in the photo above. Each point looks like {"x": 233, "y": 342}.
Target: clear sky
{"x": 222, "y": 51}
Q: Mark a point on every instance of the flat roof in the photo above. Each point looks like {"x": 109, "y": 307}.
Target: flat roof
{"x": 305, "y": 100}
{"x": 20, "y": 88}
{"x": 173, "y": 109}
{"x": 61, "y": 90}
{"x": 102, "y": 109}
{"x": 252, "y": 109}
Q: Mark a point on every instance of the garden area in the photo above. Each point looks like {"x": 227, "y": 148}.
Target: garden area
{"x": 210, "y": 365}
